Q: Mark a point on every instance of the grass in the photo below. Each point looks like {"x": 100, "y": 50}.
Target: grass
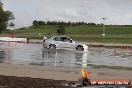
{"x": 114, "y": 33}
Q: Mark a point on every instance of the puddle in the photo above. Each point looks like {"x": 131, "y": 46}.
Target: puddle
{"x": 35, "y": 54}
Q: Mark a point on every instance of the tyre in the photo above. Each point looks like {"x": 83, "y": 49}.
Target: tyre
{"x": 52, "y": 47}
{"x": 79, "y": 48}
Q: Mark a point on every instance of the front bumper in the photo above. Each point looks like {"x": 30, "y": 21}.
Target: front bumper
{"x": 85, "y": 47}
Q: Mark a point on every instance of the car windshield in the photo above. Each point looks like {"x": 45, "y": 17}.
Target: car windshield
{"x": 65, "y": 39}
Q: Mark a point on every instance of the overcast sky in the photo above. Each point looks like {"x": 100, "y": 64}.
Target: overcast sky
{"x": 25, "y": 11}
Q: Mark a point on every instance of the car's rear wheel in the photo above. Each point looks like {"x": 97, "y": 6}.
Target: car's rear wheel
{"x": 52, "y": 47}
{"x": 79, "y": 48}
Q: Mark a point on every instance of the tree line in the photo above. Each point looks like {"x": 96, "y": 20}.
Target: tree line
{"x": 37, "y": 23}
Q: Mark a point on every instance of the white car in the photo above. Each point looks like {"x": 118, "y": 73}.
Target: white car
{"x": 63, "y": 42}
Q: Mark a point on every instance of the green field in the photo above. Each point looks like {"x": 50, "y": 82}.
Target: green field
{"x": 86, "y": 33}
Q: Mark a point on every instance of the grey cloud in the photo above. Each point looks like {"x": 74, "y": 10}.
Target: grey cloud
{"x": 25, "y": 11}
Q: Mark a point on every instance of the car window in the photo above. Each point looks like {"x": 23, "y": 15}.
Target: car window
{"x": 65, "y": 39}
{"x": 58, "y": 39}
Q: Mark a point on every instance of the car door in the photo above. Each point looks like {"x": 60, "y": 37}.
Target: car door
{"x": 69, "y": 43}
{"x": 59, "y": 41}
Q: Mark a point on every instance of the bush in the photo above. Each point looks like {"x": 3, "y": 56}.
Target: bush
{"x": 61, "y": 30}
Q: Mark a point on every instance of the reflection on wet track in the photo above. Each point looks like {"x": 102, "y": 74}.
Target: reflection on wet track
{"x": 35, "y": 54}
{"x": 62, "y": 57}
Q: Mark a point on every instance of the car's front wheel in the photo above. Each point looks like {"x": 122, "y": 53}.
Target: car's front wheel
{"x": 52, "y": 47}
{"x": 79, "y": 48}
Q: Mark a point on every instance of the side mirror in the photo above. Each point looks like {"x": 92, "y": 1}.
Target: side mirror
{"x": 70, "y": 41}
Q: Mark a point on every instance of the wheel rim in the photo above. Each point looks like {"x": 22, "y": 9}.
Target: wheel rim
{"x": 80, "y": 48}
{"x": 52, "y": 47}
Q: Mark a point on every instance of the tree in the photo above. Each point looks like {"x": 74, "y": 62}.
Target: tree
{"x": 35, "y": 23}
{"x": 5, "y": 16}
{"x": 61, "y": 30}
